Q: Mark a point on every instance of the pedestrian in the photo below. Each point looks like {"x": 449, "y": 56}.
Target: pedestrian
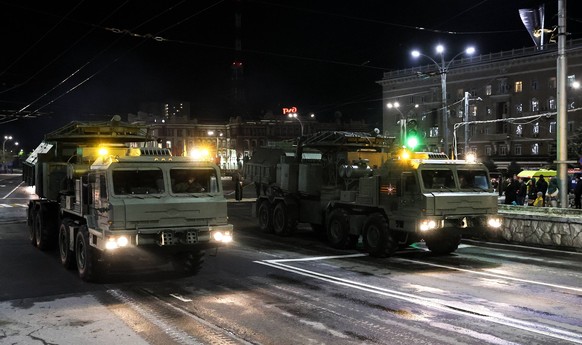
{"x": 511, "y": 188}
{"x": 553, "y": 193}
{"x": 521, "y": 197}
{"x": 578, "y": 193}
{"x": 532, "y": 192}
{"x": 542, "y": 185}
{"x": 237, "y": 180}
{"x": 539, "y": 201}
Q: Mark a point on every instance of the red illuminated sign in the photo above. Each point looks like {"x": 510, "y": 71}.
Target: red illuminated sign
{"x": 289, "y": 110}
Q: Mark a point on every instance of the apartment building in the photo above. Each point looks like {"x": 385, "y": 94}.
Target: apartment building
{"x": 510, "y": 105}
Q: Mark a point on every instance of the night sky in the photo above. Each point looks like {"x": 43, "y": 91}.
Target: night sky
{"x": 79, "y": 60}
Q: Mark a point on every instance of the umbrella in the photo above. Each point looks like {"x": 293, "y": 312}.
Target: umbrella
{"x": 537, "y": 173}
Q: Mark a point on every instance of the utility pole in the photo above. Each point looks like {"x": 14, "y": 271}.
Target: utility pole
{"x": 562, "y": 121}
{"x": 466, "y": 122}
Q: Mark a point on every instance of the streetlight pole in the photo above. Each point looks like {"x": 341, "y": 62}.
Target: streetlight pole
{"x": 296, "y": 117}
{"x": 6, "y": 138}
{"x": 562, "y": 118}
{"x": 443, "y": 69}
{"x": 402, "y": 121}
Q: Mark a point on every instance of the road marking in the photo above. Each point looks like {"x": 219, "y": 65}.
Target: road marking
{"x": 445, "y": 306}
{"x": 12, "y": 191}
{"x": 494, "y": 275}
{"x": 179, "y": 297}
{"x": 13, "y": 205}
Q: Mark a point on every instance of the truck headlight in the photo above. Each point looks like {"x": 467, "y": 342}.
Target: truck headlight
{"x": 115, "y": 242}
{"x": 428, "y": 224}
{"x": 222, "y": 236}
{"x": 495, "y": 222}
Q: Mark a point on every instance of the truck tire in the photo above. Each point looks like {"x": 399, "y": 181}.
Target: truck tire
{"x": 66, "y": 253}
{"x": 265, "y": 216}
{"x": 188, "y": 263}
{"x": 43, "y": 235}
{"x": 378, "y": 241}
{"x": 86, "y": 258}
{"x": 443, "y": 242}
{"x": 338, "y": 230}
{"x": 284, "y": 220}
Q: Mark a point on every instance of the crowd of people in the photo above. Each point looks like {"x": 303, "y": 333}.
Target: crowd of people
{"x": 537, "y": 191}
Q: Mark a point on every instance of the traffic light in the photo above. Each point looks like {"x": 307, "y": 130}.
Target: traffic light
{"x": 412, "y": 137}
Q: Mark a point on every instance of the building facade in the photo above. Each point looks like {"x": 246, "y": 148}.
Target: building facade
{"x": 510, "y": 106}
{"x": 232, "y": 141}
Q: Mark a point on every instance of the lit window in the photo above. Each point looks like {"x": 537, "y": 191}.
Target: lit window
{"x": 535, "y": 104}
{"x": 552, "y": 103}
{"x": 433, "y": 132}
{"x": 518, "y": 86}
{"x": 553, "y": 127}
{"x": 488, "y": 90}
{"x": 536, "y": 128}
{"x": 473, "y": 110}
{"x": 519, "y": 108}
{"x": 552, "y": 83}
{"x": 535, "y": 149}
{"x": 519, "y": 130}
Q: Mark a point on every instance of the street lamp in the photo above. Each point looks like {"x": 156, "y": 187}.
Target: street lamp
{"x": 402, "y": 122}
{"x": 296, "y": 117}
{"x": 443, "y": 69}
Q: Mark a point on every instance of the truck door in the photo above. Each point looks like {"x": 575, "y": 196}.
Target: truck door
{"x": 101, "y": 201}
{"x": 410, "y": 193}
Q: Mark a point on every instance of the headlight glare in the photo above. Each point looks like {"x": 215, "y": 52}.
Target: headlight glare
{"x": 224, "y": 237}
{"x": 116, "y": 242}
{"x": 427, "y": 224}
{"x": 495, "y": 222}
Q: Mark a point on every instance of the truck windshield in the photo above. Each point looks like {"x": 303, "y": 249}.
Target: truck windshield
{"x": 438, "y": 179}
{"x": 138, "y": 181}
{"x": 193, "y": 180}
{"x": 473, "y": 179}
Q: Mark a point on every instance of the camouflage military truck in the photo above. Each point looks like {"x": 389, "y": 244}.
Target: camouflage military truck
{"x": 364, "y": 186}
{"x": 106, "y": 197}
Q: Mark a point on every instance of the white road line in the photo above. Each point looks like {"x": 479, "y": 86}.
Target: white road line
{"x": 487, "y": 274}
{"x": 520, "y": 246}
{"x": 12, "y": 191}
{"x": 179, "y": 297}
{"x": 433, "y": 303}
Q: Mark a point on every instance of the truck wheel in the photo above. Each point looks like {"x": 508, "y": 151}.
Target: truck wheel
{"x": 378, "y": 241}
{"x": 284, "y": 222}
{"x": 443, "y": 242}
{"x": 85, "y": 256}
{"x": 265, "y": 217}
{"x": 338, "y": 230}
{"x": 188, "y": 263}
{"x": 67, "y": 255}
{"x": 42, "y": 231}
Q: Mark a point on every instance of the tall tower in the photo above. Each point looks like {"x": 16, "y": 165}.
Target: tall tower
{"x": 237, "y": 68}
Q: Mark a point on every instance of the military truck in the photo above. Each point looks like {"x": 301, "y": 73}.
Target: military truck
{"x": 107, "y": 196}
{"x": 364, "y": 186}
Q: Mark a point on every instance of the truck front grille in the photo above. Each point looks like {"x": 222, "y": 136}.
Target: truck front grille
{"x": 170, "y": 238}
